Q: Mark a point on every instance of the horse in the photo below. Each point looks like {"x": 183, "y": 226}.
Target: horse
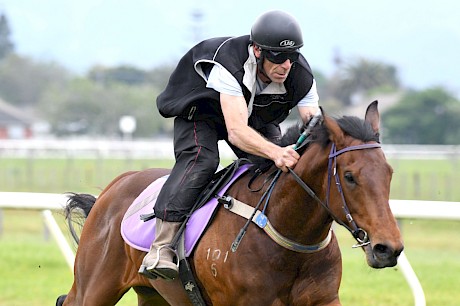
{"x": 342, "y": 175}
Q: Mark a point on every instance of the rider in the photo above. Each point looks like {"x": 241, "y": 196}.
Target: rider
{"x": 236, "y": 89}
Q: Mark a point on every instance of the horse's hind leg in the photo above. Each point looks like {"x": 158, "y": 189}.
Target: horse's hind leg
{"x": 101, "y": 277}
{"x": 98, "y": 279}
{"x": 101, "y": 294}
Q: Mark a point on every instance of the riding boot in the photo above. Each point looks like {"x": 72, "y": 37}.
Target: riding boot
{"x": 159, "y": 261}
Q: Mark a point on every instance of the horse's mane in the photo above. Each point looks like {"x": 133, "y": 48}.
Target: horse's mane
{"x": 350, "y": 125}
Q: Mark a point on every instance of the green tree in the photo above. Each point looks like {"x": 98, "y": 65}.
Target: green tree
{"x": 362, "y": 76}
{"x": 122, "y": 74}
{"x": 23, "y": 81}
{"x": 6, "y": 45}
{"x": 426, "y": 117}
{"x": 159, "y": 76}
{"x": 86, "y": 107}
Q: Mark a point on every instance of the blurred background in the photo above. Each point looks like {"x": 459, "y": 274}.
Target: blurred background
{"x": 76, "y": 67}
{"x": 79, "y": 79}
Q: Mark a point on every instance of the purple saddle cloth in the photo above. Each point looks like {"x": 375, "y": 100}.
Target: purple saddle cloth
{"x": 139, "y": 234}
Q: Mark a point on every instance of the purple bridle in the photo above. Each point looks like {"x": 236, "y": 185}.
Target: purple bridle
{"x": 358, "y": 233}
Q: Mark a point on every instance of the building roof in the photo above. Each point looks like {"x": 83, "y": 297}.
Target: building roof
{"x": 10, "y": 114}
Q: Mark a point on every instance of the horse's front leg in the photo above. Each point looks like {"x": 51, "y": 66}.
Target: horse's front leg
{"x": 319, "y": 282}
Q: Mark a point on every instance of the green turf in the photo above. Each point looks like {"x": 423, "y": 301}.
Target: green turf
{"x": 433, "y": 250}
{"x": 33, "y": 270}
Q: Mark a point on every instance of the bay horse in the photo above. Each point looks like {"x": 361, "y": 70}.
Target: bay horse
{"x": 342, "y": 175}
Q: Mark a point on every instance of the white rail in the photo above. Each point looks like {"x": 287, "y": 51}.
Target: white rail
{"x": 401, "y": 209}
{"x": 412, "y": 280}
{"x": 163, "y": 148}
{"x": 59, "y": 237}
{"x": 425, "y": 209}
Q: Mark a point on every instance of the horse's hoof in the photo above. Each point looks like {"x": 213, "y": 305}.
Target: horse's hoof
{"x": 143, "y": 270}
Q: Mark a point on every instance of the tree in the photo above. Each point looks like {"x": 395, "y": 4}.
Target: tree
{"x": 23, "y": 81}
{"x": 6, "y": 45}
{"x": 425, "y": 117}
{"x": 87, "y": 107}
{"x": 362, "y": 76}
{"x": 121, "y": 74}
{"x": 159, "y": 76}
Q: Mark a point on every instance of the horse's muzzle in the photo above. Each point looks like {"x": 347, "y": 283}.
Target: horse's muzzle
{"x": 382, "y": 255}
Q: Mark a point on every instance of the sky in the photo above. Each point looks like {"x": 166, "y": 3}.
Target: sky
{"x": 420, "y": 38}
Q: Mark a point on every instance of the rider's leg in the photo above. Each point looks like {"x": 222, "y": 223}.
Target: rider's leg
{"x": 197, "y": 158}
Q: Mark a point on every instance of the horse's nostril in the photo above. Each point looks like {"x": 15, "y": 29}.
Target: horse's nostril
{"x": 382, "y": 251}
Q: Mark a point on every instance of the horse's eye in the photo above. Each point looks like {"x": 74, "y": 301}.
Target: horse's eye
{"x": 349, "y": 178}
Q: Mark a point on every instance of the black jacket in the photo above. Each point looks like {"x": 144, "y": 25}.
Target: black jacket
{"x": 186, "y": 94}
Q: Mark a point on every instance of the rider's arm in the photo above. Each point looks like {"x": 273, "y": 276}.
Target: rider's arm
{"x": 247, "y": 139}
{"x": 306, "y": 112}
{"x": 240, "y": 134}
{"x": 308, "y": 106}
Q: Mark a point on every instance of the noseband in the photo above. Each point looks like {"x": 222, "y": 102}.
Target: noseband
{"x": 358, "y": 233}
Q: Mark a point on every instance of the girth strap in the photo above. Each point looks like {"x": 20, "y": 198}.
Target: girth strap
{"x": 246, "y": 211}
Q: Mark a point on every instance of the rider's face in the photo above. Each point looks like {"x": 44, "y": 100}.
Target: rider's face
{"x": 276, "y": 72}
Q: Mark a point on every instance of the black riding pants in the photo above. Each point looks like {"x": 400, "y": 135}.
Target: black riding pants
{"x": 197, "y": 158}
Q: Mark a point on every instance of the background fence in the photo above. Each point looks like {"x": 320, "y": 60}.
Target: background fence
{"x": 163, "y": 148}
{"x": 65, "y": 165}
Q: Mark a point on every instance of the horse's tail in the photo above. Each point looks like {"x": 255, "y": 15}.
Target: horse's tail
{"x": 77, "y": 210}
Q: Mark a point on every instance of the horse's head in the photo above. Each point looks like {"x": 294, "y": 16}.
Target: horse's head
{"x": 359, "y": 186}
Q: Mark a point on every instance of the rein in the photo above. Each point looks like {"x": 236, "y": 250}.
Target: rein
{"x": 261, "y": 220}
{"x": 358, "y": 233}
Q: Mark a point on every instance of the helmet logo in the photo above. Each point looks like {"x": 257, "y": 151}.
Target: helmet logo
{"x": 287, "y": 43}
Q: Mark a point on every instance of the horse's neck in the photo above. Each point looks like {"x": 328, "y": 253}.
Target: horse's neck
{"x": 292, "y": 209}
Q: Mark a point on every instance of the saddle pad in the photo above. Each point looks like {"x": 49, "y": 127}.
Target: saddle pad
{"x": 140, "y": 235}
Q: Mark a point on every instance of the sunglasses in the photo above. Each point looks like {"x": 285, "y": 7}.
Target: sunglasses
{"x": 280, "y": 57}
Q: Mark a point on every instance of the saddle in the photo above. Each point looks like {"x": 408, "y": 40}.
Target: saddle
{"x": 140, "y": 235}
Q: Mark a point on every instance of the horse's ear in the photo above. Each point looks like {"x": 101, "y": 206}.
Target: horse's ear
{"x": 336, "y": 134}
{"x": 373, "y": 117}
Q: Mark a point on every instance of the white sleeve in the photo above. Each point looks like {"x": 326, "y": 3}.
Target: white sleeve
{"x": 221, "y": 80}
{"x": 311, "y": 98}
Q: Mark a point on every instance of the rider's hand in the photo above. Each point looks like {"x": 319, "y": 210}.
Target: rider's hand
{"x": 286, "y": 157}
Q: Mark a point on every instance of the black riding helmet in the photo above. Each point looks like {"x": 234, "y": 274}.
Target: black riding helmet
{"x": 277, "y": 31}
